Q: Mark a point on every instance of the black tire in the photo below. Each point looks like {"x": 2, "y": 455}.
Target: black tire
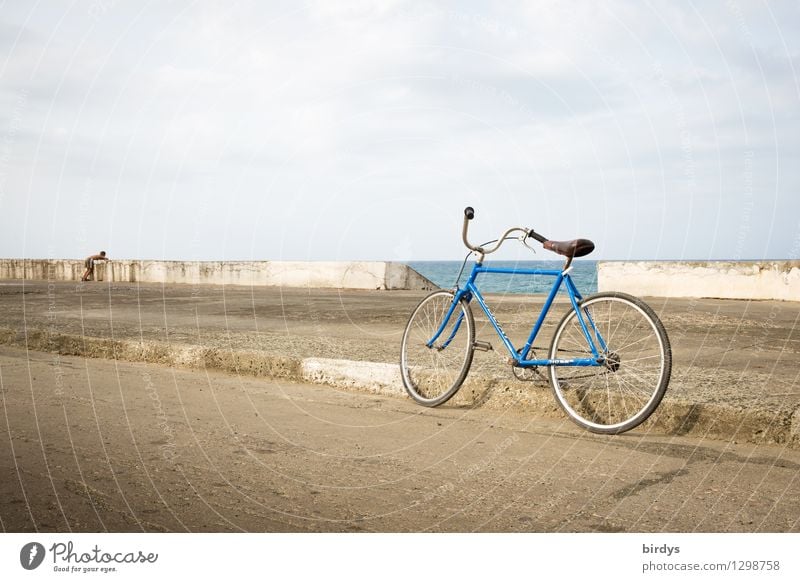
{"x": 629, "y": 385}
{"x": 432, "y": 375}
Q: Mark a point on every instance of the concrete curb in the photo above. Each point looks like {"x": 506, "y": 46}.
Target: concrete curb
{"x": 673, "y": 417}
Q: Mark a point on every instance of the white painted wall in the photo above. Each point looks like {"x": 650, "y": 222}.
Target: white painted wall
{"x": 722, "y": 279}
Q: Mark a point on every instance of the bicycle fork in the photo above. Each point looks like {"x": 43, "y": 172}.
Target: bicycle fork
{"x": 444, "y": 323}
{"x": 479, "y": 345}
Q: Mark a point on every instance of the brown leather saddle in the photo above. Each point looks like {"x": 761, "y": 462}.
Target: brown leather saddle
{"x": 580, "y": 247}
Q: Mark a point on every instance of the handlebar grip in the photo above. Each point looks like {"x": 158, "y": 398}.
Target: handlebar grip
{"x": 536, "y": 236}
{"x": 469, "y": 212}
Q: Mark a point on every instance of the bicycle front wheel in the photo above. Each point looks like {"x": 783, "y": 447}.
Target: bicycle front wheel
{"x": 635, "y": 363}
{"x": 433, "y": 373}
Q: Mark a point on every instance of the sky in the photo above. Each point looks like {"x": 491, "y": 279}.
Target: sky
{"x": 355, "y": 130}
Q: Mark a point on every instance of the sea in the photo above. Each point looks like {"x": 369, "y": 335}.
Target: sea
{"x": 444, "y": 273}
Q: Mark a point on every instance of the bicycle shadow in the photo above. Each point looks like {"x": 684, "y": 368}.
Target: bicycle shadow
{"x": 534, "y": 394}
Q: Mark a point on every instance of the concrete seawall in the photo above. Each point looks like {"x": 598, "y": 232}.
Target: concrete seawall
{"x": 332, "y": 275}
{"x": 713, "y": 279}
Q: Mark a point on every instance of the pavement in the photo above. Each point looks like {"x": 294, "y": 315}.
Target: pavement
{"x": 94, "y": 445}
{"x": 735, "y": 363}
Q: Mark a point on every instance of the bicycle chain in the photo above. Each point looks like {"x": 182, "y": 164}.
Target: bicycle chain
{"x": 538, "y": 375}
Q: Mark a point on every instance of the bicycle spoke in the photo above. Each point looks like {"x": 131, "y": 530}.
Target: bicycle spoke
{"x": 633, "y": 343}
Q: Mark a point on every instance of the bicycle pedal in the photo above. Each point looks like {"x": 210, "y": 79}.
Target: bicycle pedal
{"x": 482, "y": 346}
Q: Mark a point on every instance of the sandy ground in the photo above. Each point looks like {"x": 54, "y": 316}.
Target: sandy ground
{"x": 97, "y": 445}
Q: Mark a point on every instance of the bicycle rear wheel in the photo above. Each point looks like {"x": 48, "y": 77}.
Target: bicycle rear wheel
{"x": 432, "y": 375}
{"x": 635, "y": 366}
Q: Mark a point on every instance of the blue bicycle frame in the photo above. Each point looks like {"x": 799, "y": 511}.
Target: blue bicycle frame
{"x": 470, "y": 290}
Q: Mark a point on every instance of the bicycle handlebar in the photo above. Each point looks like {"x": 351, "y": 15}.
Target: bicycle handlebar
{"x": 469, "y": 214}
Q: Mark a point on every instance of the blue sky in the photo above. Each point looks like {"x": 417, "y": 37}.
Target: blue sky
{"x": 360, "y": 130}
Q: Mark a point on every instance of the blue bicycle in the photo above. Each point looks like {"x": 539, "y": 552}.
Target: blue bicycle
{"x": 609, "y": 360}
